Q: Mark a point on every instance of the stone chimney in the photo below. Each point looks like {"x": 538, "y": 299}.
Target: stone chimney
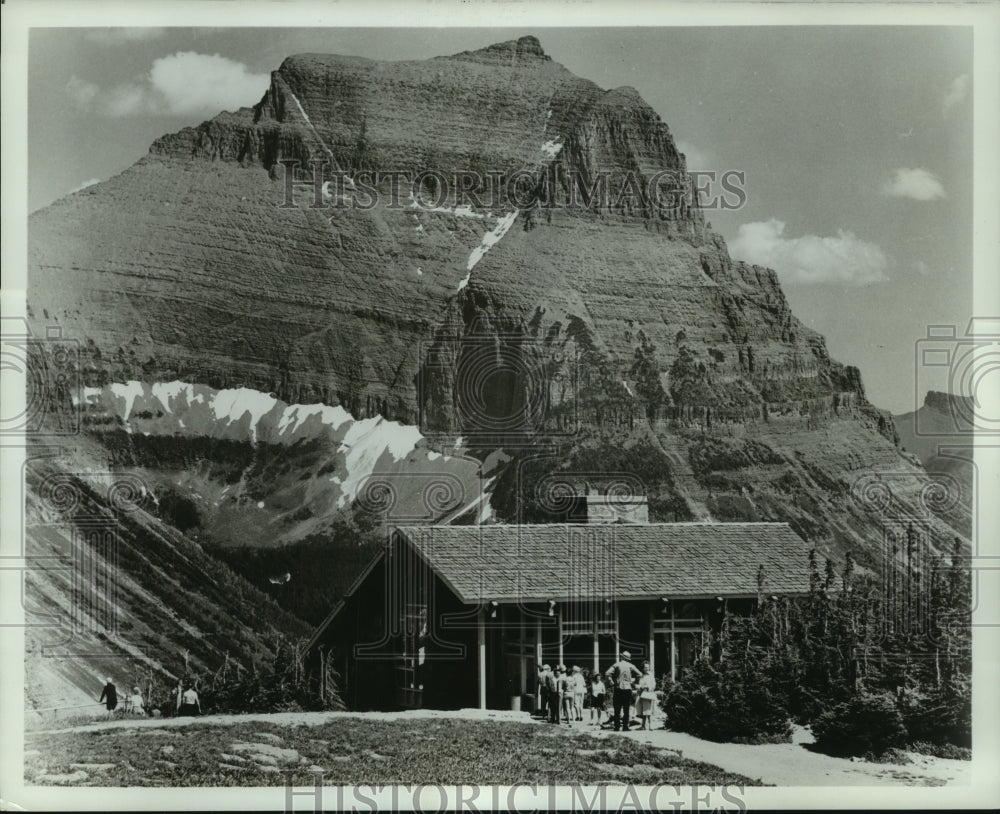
{"x": 615, "y": 508}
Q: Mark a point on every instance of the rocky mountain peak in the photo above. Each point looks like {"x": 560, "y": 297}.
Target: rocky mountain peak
{"x": 619, "y": 327}
{"x": 945, "y": 402}
{"x": 525, "y": 48}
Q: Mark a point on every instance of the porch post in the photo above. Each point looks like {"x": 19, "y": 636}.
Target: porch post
{"x": 482, "y": 658}
{"x": 673, "y": 648}
{"x": 538, "y": 658}
{"x": 652, "y": 648}
{"x": 560, "y": 637}
{"x": 520, "y": 650}
{"x": 618, "y": 644}
{"x": 597, "y": 648}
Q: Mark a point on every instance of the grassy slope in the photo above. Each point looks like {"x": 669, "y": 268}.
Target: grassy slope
{"x": 356, "y": 750}
{"x": 171, "y": 596}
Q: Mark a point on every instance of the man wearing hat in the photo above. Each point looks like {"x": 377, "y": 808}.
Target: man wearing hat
{"x": 552, "y": 692}
{"x": 544, "y": 671}
{"x": 622, "y": 675}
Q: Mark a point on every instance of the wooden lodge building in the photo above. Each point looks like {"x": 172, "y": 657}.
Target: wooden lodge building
{"x": 447, "y": 617}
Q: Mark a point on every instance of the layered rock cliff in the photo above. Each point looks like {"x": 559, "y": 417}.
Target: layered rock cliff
{"x": 515, "y": 317}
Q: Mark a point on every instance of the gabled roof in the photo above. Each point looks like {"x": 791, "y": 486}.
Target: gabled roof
{"x": 567, "y": 562}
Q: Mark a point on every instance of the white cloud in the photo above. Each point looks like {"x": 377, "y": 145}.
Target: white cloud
{"x": 120, "y": 36}
{"x": 697, "y": 159}
{"x": 81, "y": 91}
{"x": 917, "y": 184}
{"x": 810, "y": 259}
{"x": 193, "y": 82}
{"x": 185, "y": 83}
{"x": 124, "y": 100}
{"x": 88, "y": 183}
{"x": 957, "y": 93}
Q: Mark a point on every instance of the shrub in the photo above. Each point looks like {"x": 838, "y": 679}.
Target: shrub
{"x": 722, "y": 703}
{"x": 864, "y": 724}
{"x": 941, "y": 715}
{"x": 945, "y": 750}
{"x": 280, "y": 684}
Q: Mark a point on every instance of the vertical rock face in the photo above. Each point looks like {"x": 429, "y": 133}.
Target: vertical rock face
{"x": 517, "y": 307}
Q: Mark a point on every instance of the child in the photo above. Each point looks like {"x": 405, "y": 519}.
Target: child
{"x": 596, "y": 697}
{"x": 136, "y": 707}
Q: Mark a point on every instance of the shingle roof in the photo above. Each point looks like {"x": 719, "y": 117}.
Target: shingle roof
{"x": 565, "y": 562}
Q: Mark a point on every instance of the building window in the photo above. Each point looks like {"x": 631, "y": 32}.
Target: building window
{"x": 589, "y": 618}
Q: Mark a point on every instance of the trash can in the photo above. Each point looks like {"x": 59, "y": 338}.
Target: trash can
{"x": 515, "y": 703}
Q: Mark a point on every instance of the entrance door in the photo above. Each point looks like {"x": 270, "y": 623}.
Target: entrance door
{"x": 511, "y": 659}
{"x": 677, "y": 639}
{"x": 688, "y": 645}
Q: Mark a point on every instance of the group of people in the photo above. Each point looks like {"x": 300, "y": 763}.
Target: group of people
{"x": 133, "y": 703}
{"x": 188, "y": 702}
{"x": 565, "y": 694}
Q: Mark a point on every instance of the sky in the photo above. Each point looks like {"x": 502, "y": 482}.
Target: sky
{"x": 856, "y": 144}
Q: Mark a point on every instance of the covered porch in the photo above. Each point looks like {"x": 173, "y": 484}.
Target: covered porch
{"x": 513, "y": 639}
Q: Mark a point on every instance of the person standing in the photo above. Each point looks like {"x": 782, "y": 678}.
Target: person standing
{"x": 544, "y": 671}
{"x": 552, "y": 691}
{"x": 109, "y": 695}
{"x": 622, "y": 675}
{"x": 579, "y": 692}
{"x": 565, "y": 686}
{"x": 646, "y": 702}
{"x": 596, "y": 697}
{"x": 190, "y": 703}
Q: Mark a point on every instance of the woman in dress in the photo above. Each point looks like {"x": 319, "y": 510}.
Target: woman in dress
{"x": 579, "y": 691}
{"x": 596, "y": 698}
{"x": 109, "y": 697}
{"x": 646, "y": 702}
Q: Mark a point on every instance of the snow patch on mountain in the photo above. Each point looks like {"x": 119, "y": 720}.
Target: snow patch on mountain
{"x": 129, "y": 392}
{"x": 361, "y": 446}
{"x": 364, "y": 445}
{"x": 295, "y": 415}
{"x": 233, "y": 405}
{"x": 490, "y": 239}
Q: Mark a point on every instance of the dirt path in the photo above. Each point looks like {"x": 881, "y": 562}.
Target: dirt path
{"x": 792, "y": 764}
{"x": 785, "y": 764}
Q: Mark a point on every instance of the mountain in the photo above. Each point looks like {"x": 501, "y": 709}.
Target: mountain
{"x": 241, "y": 335}
{"x": 943, "y": 419}
{"x": 939, "y": 435}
